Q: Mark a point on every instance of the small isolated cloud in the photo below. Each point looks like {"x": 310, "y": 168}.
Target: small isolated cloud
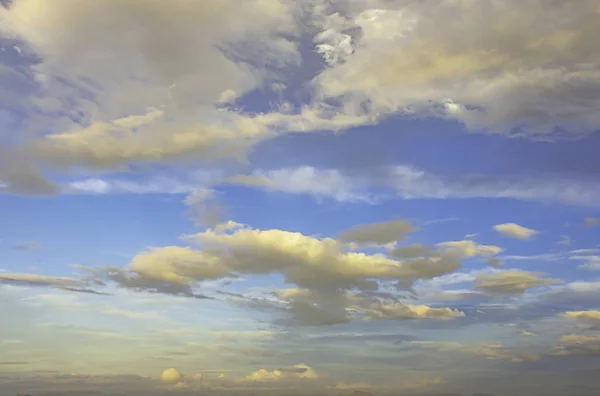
{"x": 566, "y": 241}
{"x": 170, "y": 376}
{"x": 528, "y": 334}
{"x": 511, "y": 281}
{"x": 378, "y": 233}
{"x": 468, "y": 248}
{"x": 28, "y": 246}
{"x": 516, "y": 231}
{"x": 587, "y": 316}
{"x": 591, "y": 221}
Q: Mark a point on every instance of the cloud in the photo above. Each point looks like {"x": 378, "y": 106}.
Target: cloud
{"x": 590, "y": 262}
{"x": 170, "y": 269}
{"x": 565, "y": 240}
{"x": 591, "y": 221}
{"x": 516, "y": 231}
{"x": 162, "y": 96}
{"x": 425, "y": 63}
{"x": 352, "y": 386}
{"x": 326, "y": 308}
{"x": 297, "y": 372}
{"x": 203, "y": 206}
{"x": 308, "y": 261}
{"x": 587, "y": 316}
{"x": 578, "y": 345}
{"x": 40, "y": 280}
{"x": 378, "y": 233}
{"x": 498, "y": 352}
{"x": 170, "y": 375}
{"x": 407, "y": 182}
{"x": 28, "y": 246}
{"x": 468, "y": 248}
{"x": 511, "y": 281}
{"x": 240, "y": 336}
{"x": 397, "y": 311}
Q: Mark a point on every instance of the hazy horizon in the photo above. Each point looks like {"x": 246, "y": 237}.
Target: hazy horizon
{"x": 300, "y": 197}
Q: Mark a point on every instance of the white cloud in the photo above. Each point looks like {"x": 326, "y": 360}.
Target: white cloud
{"x": 516, "y": 231}
{"x": 590, "y": 262}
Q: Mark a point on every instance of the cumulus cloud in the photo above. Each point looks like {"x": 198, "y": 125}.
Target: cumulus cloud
{"x": 516, "y": 231}
{"x": 299, "y": 371}
{"x": 469, "y": 248}
{"x": 326, "y": 308}
{"x": 398, "y": 310}
{"x": 170, "y": 375}
{"x": 103, "y": 115}
{"x": 411, "y": 58}
{"x": 511, "y": 281}
{"x": 170, "y": 269}
{"x": 86, "y": 109}
{"x": 587, "y": 316}
{"x": 378, "y": 233}
{"x": 308, "y": 261}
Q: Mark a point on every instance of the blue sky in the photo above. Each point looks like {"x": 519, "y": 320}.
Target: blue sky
{"x": 314, "y": 196}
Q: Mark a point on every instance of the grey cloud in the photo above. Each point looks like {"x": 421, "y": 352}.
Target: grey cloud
{"x": 511, "y": 281}
{"x": 378, "y": 233}
{"x": 82, "y": 290}
{"x": 39, "y": 280}
{"x": 591, "y": 221}
{"x": 20, "y": 178}
{"x": 28, "y": 246}
{"x": 410, "y": 251}
{"x": 297, "y": 370}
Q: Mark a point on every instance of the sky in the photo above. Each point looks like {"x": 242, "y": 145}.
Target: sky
{"x": 399, "y": 197}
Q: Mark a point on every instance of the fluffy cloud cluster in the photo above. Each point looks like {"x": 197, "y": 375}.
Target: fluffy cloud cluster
{"x": 418, "y": 58}
{"x": 114, "y": 88}
{"x": 335, "y": 283}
